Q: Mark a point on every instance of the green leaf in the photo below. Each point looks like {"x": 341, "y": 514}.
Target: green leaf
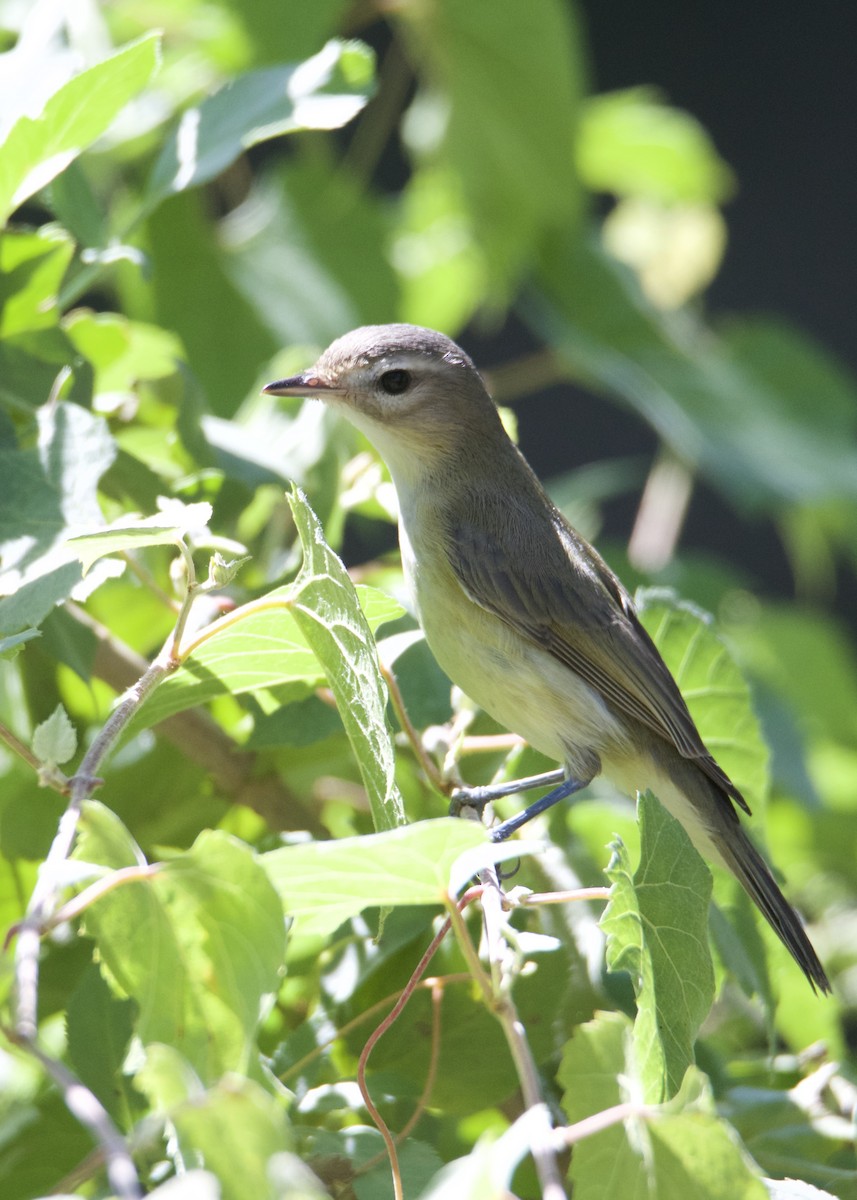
{"x": 89, "y": 547}
{"x": 711, "y": 682}
{"x": 226, "y": 341}
{"x": 314, "y": 261}
{"x": 122, "y": 352}
{"x": 32, "y": 362}
{"x": 322, "y": 884}
{"x": 441, "y": 268}
{"x": 657, "y": 930}
{"x": 503, "y": 87}
{"x": 79, "y": 112}
{"x": 234, "y": 1129}
{"x": 165, "y": 528}
{"x": 694, "y": 1153}
{"x": 49, "y": 493}
{"x": 254, "y": 649}
{"x": 9, "y": 646}
{"x": 199, "y": 945}
{"x": 326, "y": 608}
{"x": 715, "y": 411}
{"x": 25, "y": 1169}
{"x": 308, "y": 26}
{"x": 809, "y": 659}
{"x": 813, "y": 387}
{"x": 324, "y": 92}
{"x": 792, "y": 1142}
{"x": 684, "y": 1150}
{"x": 99, "y": 1030}
{"x": 32, "y": 266}
{"x": 54, "y": 740}
{"x": 73, "y": 201}
{"x": 632, "y": 144}
{"x": 593, "y": 1066}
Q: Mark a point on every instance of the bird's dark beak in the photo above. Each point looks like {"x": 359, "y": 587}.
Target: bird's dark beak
{"x": 305, "y": 384}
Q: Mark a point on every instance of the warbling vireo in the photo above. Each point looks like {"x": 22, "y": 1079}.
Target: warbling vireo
{"x": 518, "y": 608}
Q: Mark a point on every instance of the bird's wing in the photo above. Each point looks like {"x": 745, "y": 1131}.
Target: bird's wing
{"x": 558, "y": 592}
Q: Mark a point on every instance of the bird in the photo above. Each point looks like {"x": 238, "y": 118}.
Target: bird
{"x": 521, "y": 612}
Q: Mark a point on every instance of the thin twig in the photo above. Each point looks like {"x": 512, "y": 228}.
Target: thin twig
{"x": 44, "y": 893}
{"x": 192, "y": 589}
{"x": 489, "y": 743}
{"x": 81, "y": 902}
{"x": 380, "y": 1030}
{"x": 238, "y": 773}
{"x": 88, "y": 1109}
{"x": 397, "y": 700}
{"x": 79, "y": 1100}
{"x": 294, "y": 1069}
{"x": 499, "y": 998}
{"x": 377, "y": 1033}
{"x": 533, "y": 899}
{"x": 570, "y": 1135}
{"x": 437, "y": 989}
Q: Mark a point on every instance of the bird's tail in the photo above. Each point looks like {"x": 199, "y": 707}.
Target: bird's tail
{"x": 708, "y": 814}
{"x": 752, "y": 872}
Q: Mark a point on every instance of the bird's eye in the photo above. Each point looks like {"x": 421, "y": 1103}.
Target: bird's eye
{"x": 396, "y": 382}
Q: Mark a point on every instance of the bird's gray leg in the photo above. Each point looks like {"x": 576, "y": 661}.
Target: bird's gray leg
{"x": 567, "y": 788}
{"x": 478, "y": 797}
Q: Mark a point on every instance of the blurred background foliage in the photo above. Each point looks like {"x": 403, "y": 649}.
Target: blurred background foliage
{"x": 192, "y": 213}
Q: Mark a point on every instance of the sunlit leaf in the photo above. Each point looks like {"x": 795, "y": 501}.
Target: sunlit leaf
{"x": 438, "y": 259}
{"x": 684, "y": 1146}
{"x": 49, "y": 493}
{"x": 123, "y": 352}
{"x": 89, "y": 547}
{"x": 313, "y": 262}
{"x": 326, "y": 608}
{"x": 32, "y": 266}
{"x": 36, "y": 150}
{"x": 631, "y": 143}
{"x": 165, "y": 528}
{"x": 254, "y": 648}
{"x": 323, "y": 92}
{"x": 325, "y": 883}
{"x": 197, "y": 946}
{"x": 503, "y": 83}
{"x": 99, "y": 1030}
{"x": 657, "y": 930}
{"x": 233, "y": 1129}
{"x": 55, "y": 740}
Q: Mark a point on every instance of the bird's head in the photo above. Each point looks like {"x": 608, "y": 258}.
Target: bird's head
{"x": 407, "y": 388}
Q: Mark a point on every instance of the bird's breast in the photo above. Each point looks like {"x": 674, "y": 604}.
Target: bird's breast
{"x": 523, "y": 687}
